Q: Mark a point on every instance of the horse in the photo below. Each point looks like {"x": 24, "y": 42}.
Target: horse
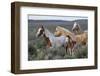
{"x": 76, "y": 28}
{"x": 81, "y": 36}
{"x": 51, "y": 40}
{"x": 65, "y": 32}
{"x": 60, "y": 31}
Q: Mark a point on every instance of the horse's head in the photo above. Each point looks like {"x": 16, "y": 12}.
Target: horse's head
{"x": 40, "y": 31}
{"x": 76, "y": 27}
{"x": 57, "y": 32}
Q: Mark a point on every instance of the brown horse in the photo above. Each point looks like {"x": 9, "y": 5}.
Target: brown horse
{"x": 70, "y": 46}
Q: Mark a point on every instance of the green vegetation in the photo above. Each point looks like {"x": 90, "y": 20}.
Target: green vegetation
{"x": 37, "y": 51}
{"x": 37, "y": 47}
{"x": 40, "y": 52}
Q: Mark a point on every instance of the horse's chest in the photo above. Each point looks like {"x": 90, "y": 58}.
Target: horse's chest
{"x": 48, "y": 42}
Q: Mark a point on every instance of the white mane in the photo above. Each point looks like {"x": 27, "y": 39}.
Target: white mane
{"x": 66, "y": 30}
{"x": 72, "y": 35}
{"x": 75, "y": 23}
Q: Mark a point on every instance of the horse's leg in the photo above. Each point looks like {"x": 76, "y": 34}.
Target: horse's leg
{"x": 71, "y": 52}
{"x": 73, "y": 47}
{"x": 66, "y": 49}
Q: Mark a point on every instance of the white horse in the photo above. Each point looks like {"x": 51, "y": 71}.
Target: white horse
{"x": 52, "y": 40}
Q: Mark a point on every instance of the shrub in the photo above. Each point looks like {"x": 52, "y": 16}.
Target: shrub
{"x": 81, "y": 52}
{"x": 32, "y": 53}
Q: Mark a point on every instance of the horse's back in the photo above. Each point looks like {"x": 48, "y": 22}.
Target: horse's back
{"x": 66, "y": 32}
{"x": 61, "y": 38}
{"x": 82, "y": 38}
{"x": 59, "y": 41}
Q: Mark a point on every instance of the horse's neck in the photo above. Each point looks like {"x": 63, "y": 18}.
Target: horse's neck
{"x": 47, "y": 41}
{"x": 48, "y": 33}
{"x": 79, "y": 31}
{"x": 49, "y": 37}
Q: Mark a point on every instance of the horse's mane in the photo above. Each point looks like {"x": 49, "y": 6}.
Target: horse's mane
{"x": 63, "y": 29}
{"x": 67, "y": 32}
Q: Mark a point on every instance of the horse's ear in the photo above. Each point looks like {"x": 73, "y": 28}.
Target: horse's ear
{"x": 42, "y": 26}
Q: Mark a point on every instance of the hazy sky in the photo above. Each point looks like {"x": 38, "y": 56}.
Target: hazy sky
{"x": 44, "y": 17}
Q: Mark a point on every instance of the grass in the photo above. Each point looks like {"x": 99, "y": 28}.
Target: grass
{"x": 37, "y": 48}
{"x": 38, "y": 51}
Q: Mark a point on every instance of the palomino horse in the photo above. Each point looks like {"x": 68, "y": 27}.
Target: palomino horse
{"x": 65, "y": 32}
{"x": 60, "y": 31}
{"x": 81, "y": 36}
{"x": 51, "y": 40}
{"x": 79, "y": 39}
